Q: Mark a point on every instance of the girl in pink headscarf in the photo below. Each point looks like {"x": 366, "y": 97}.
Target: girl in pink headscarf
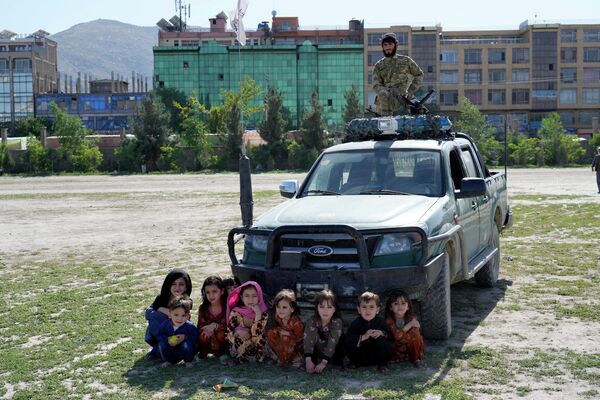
{"x": 246, "y": 319}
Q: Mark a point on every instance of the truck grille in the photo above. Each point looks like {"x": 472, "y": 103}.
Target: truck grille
{"x": 343, "y": 255}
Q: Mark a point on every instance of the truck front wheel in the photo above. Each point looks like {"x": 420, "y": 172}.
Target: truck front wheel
{"x": 436, "y": 322}
{"x": 488, "y": 275}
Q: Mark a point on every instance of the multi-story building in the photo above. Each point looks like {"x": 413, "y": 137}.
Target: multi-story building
{"x": 521, "y": 74}
{"x": 27, "y": 67}
{"x": 107, "y": 108}
{"x": 295, "y": 71}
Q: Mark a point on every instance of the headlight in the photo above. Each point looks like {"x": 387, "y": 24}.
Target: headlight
{"x": 257, "y": 242}
{"x": 397, "y": 243}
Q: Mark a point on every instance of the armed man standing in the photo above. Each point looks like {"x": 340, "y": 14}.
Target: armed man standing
{"x": 393, "y": 76}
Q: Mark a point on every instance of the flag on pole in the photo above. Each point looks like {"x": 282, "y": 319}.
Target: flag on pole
{"x": 237, "y": 23}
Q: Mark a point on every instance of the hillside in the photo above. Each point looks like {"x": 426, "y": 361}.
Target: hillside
{"x": 101, "y": 46}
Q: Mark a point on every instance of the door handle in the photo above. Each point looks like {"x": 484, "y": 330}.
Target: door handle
{"x": 474, "y": 206}
{"x": 486, "y": 198}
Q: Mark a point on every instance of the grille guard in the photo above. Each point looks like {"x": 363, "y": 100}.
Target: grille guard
{"x": 357, "y": 235}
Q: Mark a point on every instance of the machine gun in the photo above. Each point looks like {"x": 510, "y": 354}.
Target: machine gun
{"x": 415, "y": 107}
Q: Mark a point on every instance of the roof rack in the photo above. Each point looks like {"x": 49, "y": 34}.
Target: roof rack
{"x": 400, "y": 127}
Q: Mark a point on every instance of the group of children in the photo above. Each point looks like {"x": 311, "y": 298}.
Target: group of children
{"x": 235, "y": 325}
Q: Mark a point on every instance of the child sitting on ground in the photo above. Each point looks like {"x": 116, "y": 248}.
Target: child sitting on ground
{"x": 176, "y": 283}
{"x": 212, "y": 325}
{"x": 285, "y": 338}
{"x": 178, "y": 336}
{"x": 408, "y": 342}
{"x": 368, "y": 340}
{"x": 231, "y": 283}
{"x": 323, "y": 335}
{"x": 246, "y": 319}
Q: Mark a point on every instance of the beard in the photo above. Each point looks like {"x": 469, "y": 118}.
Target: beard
{"x": 390, "y": 53}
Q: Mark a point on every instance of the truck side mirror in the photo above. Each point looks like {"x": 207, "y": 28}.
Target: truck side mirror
{"x": 288, "y": 188}
{"x": 471, "y": 187}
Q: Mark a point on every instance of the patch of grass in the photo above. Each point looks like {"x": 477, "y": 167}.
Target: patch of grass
{"x": 556, "y": 221}
{"x": 544, "y": 198}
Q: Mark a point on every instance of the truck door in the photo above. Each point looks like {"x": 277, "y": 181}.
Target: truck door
{"x": 467, "y": 209}
{"x": 483, "y": 202}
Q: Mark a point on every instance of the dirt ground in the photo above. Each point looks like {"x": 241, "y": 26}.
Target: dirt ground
{"x": 165, "y": 221}
{"x": 104, "y": 215}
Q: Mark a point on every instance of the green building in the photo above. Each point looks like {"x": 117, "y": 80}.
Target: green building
{"x": 206, "y": 70}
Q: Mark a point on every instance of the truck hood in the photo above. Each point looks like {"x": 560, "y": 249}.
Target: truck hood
{"x": 360, "y": 211}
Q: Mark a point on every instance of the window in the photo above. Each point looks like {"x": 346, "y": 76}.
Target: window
{"x": 474, "y": 96}
{"x": 567, "y": 118}
{"x": 221, "y": 77}
{"x": 3, "y": 64}
{"x": 568, "y": 35}
{"x": 469, "y": 163}
{"x": 585, "y": 117}
{"x": 472, "y": 76}
{"x": 496, "y": 56}
{"x": 373, "y": 57}
{"x": 374, "y": 39}
{"x": 22, "y": 64}
{"x": 591, "y": 35}
{"x": 449, "y": 56}
{"x": 568, "y": 75}
{"x": 449, "y": 97}
{"x": 370, "y": 78}
{"x": 497, "y": 76}
{"x": 497, "y": 96}
{"x": 472, "y": 56}
{"x": 449, "y": 77}
{"x": 590, "y": 75}
{"x": 591, "y": 54}
{"x": 591, "y": 96}
{"x": 520, "y": 75}
{"x": 520, "y": 55}
{"x": 402, "y": 38}
{"x": 520, "y": 96}
{"x": 568, "y": 54}
{"x": 186, "y": 65}
{"x": 568, "y": 96}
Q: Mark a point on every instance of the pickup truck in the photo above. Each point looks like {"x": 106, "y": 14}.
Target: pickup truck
{"x": 407, "y": 204}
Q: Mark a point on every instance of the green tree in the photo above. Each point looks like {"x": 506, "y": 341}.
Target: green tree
{"x": 151, "y": 128}
{"x": 523, "y": 150}
{"x": 271, "y": 129}
{"x": 313, "y": 126}
{"x": 81, "y": 154}
{"x": 558, "y": 148}
{"x": 37, "y": 156}
{"x": 193, "y": 131}
{"x": 473, "y": 123}
{"x": 353, "y": 108}
{"x": 171, "y": 98}
{"x": 236, "y": 105}
{"x": 31, "y": 126}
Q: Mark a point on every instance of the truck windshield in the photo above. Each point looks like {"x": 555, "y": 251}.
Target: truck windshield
{"x": 377, "y": 172}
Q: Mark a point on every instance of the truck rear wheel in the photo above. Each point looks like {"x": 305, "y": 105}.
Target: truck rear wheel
{"x": 488, "y": 275}
{"x": 436, "y": 321}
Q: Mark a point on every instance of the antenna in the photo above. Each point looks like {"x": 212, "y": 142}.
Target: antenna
{"x": 184, "y": 13}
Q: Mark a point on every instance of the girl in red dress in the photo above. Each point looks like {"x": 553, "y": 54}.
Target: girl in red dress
{"x": 408, "y": 342}
{"x": 212, "y": 325}
{"x": 285, "y": 338}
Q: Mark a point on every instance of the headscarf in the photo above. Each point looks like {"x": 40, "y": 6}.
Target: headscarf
{"x": 162, "y": 300}
{"x": 235, "y": 297}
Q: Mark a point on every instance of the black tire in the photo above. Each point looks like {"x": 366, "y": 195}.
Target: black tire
{"x": 488, "y": 275}
{"x": 436, "y": 321}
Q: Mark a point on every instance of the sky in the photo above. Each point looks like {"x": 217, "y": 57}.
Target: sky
{"x": 27, "y": 16}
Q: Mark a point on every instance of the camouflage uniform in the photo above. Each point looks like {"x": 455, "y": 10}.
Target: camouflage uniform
{"x": 400, "y": 73}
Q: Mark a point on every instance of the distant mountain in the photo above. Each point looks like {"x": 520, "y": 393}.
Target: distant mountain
{"x": 101, "y": 46}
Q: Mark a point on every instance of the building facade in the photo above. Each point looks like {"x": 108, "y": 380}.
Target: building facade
{"x": 515, "y": 77}
{"x": 107, "y": 108}
{"x": 295, "y": 70}
{"x": 28, "y": 66}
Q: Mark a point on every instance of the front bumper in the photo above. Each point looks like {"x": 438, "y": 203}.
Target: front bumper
{"x": 278, "y": 272}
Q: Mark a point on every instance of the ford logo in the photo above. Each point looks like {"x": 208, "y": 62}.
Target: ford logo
{"x": 320, "y": 251}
